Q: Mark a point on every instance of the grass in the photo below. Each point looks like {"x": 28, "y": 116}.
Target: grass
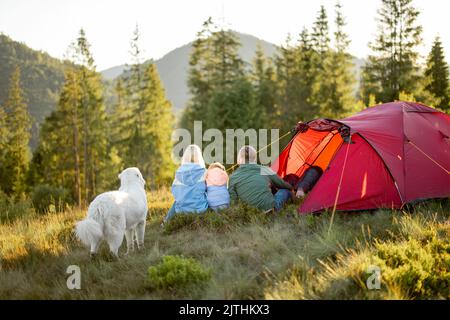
{"x": 248, "y": 255}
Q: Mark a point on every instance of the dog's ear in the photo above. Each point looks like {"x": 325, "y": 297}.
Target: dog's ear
{"x": 120, "y": 176}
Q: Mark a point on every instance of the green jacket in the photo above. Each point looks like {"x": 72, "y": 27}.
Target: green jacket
{"x": 250, "y": 183}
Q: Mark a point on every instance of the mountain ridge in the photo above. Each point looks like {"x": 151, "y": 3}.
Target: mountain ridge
{"x": 173, "y": 67}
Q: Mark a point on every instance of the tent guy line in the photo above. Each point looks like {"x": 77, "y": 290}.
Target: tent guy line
{"x": 435, "y": 162}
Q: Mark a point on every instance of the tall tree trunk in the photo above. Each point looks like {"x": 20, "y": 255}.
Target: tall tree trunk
{"x": 77, "y": 158}
{"x": 85, "y": 150}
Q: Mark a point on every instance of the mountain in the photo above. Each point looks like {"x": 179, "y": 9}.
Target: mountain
{"x": 41, "y": 79}
{"x": 173, "y": 67}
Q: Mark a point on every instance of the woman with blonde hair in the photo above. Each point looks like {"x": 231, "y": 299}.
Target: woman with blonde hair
{"x": 189, "y": 187}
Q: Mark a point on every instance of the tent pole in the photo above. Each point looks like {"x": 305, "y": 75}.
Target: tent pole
{"x": 338, "y": 188}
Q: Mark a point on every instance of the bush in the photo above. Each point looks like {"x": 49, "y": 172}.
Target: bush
{"x": 419, "y": 270}
{"x": 48, "y": 198}
{"x": 176, "y": 272}
{"x": 11, "y": 209}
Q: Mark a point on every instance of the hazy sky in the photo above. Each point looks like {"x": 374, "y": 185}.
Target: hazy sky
{"x": 51, "y": 25}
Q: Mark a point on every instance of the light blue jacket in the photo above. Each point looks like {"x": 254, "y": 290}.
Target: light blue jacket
{"x": 218, "y": 196}
{"x": 189, "y": 189}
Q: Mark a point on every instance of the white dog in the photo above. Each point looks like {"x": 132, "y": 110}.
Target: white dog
{"x": 117, "y": 213}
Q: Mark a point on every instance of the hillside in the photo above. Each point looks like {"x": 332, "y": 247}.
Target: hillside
{"x": 41, "y": 77}
{"x": 249, "y": 255}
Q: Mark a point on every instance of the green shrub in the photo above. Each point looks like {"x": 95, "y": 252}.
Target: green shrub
{"x": 48, "y": 198}
{"x": 11, "y": 209}
{"x": 419, "y": 270}
{"x": 176, "y": 272}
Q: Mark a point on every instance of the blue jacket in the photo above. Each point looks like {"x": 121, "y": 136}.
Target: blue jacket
{"x": 189, "y": 189}
{"x": 218, "y": 196}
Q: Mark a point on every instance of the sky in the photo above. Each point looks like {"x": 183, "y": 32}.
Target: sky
{"x": 51, "y": 25}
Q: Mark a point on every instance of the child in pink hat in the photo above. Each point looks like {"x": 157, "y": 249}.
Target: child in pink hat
{"x": 216, "y": 187}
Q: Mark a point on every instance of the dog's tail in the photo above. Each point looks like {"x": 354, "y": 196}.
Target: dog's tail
{"x": 88, "y": 231}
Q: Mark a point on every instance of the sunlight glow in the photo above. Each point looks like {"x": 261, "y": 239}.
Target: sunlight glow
{"x": 51, "y": 25}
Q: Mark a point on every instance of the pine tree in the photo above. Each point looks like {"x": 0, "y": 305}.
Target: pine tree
{"x": 437, "y": 75}
{"x": 69, "y": 101}
{"x": 340, "y": 71}
{"x": 295, "y": 70}
{"x": 58, "y": 159}
{"x": 287, "y": 84}
{"x": 134, "y": 86}
{"x": 215, "y": 66}
{"x": 4, "y": 135}
{"x": 232, "y": 102}
{"x": 322, "y": 88}
{"x": 236, "y": 107}
{"x": 222, "y": 95}
{"x": 370, "y": 87}
{"x": 263, "y": 78}
{"x": 393, "y": 67}
{"x": 143, "y": 120}
{"x": 74, "y": 151}
{"x": 3, "y": 132}
{"x": 152, "y": 144}
{"x": 228, "y": 64}
{"x": 320, "y": 35}
{"x": 48, "y": 157}
{"x": 93, "y": 111}
{"x": 308, "y": 72}
{"x": 121, "y": 120}
{"x": 16, "y": 152}
{"x": 199, "y": 76}
{"x": 229, "y": 78}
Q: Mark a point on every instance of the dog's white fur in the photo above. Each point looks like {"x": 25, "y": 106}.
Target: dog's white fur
{"x": 117, "y": 213}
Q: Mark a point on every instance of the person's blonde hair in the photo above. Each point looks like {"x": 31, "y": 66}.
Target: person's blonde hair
{"x": 216, "y": 165}
{"x": 247, "y": 154}
{"x": 193, "y": 154}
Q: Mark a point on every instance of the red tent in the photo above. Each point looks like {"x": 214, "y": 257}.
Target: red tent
{"x": 398, "y": 153}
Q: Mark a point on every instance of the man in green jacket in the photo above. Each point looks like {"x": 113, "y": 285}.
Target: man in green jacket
{"x": 251, "y": 183}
